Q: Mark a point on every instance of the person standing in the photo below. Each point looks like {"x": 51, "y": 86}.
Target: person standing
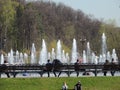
{"x": 77, "y": 67}
{"x": 78, "y": 86}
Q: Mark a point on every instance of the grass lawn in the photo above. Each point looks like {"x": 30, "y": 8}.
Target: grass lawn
{"x": 88, "y": 83}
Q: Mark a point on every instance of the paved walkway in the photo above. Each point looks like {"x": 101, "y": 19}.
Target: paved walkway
{"x": 31, "y": 75}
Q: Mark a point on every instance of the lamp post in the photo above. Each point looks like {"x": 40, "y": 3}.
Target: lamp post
{"x": 82, "y": 40}
{"x": 0, "y": 43}
{"x": 4, "y": 41}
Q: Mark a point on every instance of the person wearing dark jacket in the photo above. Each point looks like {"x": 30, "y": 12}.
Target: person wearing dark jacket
{"x": 77, "y": 67}
{"x": 113, "y": 67}
{"x": 106, "y": 67}
{"x": 5, "y": 68}
{"x": 48, "y": 67}
{"x": 78, "y": 86}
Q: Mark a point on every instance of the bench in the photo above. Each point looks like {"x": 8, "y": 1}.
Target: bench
{"x": 68, "y": 69}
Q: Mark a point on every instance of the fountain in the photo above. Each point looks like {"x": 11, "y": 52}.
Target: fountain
{"x": 43, "y": 53}
{"x": 108, "y": 56}
{"x": 104, "y": 47}
{"x": 67, "y": 58}
{"x": 16, "y": 61}
{"x": 11, "y": 57}
{"x": 49, "y": 55}
{"x": 74, "y": 52}
{"x": 33, "y": 54}
{"x": 93, "y": 57}
{"x": 114, "y": 55}
{"x": 59, "y": 50}
{"x": 53, "y": 54}
{"x": 88, "y": 55}
{"x": 21, "y": 60}
{"x": 25, "y": 56}
{"x": 2, "y": 59}
{"x": 84, "y": 57}
{"x": 64, "y": 59}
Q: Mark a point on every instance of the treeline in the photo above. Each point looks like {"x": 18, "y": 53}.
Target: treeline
{"x": 23, "y": 23}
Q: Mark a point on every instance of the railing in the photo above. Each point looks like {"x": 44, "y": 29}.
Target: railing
{"x": 68, "y": 69}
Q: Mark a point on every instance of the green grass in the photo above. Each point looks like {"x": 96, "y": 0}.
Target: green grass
{"x": 88, "y": 83}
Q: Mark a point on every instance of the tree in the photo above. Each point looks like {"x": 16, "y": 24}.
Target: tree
{"x": 7, "y": 17}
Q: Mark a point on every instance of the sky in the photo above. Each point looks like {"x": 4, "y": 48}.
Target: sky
{"x": 105, "y": 10}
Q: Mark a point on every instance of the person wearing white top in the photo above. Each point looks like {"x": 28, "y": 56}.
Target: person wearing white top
{"x": 64, "y": 87}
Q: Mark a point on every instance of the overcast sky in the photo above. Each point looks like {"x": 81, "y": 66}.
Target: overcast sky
{"x": 101, "y": 9}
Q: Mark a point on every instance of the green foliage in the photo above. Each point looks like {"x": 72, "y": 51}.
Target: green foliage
{"x": 112, "y": 34}
{"x": 88, "y": 83}
{"x": 8, "y": 12}
{"x": 70, "y": 30}
{"x": 67, "y": 49}
{"x": 23, "y": 23}
{"x": 51, "y": 45}
{"x": 7, "y": 19}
